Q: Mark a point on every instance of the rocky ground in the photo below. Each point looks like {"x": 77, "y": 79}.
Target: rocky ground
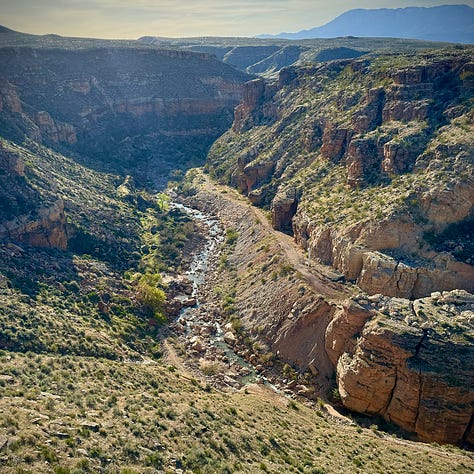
{"x": 409, "y": 353}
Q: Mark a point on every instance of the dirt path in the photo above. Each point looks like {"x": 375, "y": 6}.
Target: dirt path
{"x": 317, "y": 276}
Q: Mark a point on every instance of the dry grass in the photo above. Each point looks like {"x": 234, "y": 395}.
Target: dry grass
{"x": 77, "y": 414}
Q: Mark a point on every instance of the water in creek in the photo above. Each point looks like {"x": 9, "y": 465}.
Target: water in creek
{"x": 192, "y": 317}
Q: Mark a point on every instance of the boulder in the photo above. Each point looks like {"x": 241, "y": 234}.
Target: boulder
{"x": 283, "y": 208}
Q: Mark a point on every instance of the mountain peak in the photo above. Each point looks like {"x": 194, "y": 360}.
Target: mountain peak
{"x": 450, "y": 23}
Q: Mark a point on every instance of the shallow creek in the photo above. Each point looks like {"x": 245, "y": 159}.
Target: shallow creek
{"x": 197, "y": 323}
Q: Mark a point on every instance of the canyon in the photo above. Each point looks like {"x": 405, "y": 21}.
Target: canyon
{"x": 342, "y": 272}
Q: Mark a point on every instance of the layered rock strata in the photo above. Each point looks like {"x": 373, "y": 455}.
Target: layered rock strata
{"x": 408, "y": 361}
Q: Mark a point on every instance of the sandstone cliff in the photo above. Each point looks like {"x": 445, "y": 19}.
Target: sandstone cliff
{"x": 47, "y": 228}
{"x": 26, "y": 215}
{"x": 408, "y": 362}
{"x": 370, "y": 163}
{"x": 370, "y": 189}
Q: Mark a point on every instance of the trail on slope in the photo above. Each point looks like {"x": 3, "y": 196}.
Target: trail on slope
{"x": 316, "y": 275}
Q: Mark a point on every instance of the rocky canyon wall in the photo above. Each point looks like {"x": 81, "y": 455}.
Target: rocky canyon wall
{"x": 141, "y": 110}
{"x": 370, "y": 164}
{"x": 125, "y": 107}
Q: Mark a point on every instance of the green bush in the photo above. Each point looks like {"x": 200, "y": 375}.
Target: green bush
{"x": 231, "y": 236}
{"x": 149, "y": 296}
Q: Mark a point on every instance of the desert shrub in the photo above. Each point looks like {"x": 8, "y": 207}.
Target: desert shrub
{"x": 149, "y": 295}
{"x": 231, "y": 236}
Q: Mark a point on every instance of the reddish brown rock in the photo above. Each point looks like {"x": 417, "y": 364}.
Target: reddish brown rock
{"x": 450, "y": 203}
{"x": 370, "y": 115}
{"x": 302, "y": 340}
{"x": 283, "y": 208}
{"x": 253, "y": 94}
{"x": 362, "y": 162}
{"x": 55, "y": 132}
{"x": 255, "y": 174}
{"x": 335, "y": 142}
{"x": 426, "y": 73}
{"x": 405, "y": 111}
{"x": 346, "y": 322}
{"x": 405, "y": 367}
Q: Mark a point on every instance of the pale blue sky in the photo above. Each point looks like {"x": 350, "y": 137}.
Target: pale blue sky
{"x": 135, "y": 18}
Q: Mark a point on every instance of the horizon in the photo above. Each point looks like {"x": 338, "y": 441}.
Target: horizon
{"x": 116, "y": 19}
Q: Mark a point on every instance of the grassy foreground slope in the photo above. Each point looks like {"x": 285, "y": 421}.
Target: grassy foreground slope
{"x": 79, "y": 414}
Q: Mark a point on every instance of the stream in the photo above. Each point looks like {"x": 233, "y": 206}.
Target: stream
{"x": 200, "y": 326}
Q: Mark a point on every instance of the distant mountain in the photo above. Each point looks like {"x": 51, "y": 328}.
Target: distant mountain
{"x": 452, "y": 23}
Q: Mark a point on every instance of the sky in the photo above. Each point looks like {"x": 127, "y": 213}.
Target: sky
{"x": 175, "y": 18}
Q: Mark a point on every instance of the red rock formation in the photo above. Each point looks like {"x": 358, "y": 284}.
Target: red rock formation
{"x": 300, "y": 338}
{"x": 283, "y": 208}
{"x": 451, "y": 203}
{"x": 417, "y": 377}
{"x": 55, "y": 132}
{"x": 253, "y": 94}
{"x": 362, "y": 161}
{"x": 370, "y": 115}
{"x": 335, "y": 142}
{"x": 256, "y": 173}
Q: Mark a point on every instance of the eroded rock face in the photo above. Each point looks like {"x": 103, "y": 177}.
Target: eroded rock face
{"x": 9, "y": 99}
{"x": 55, "y": 132}
{"x": 138, "y": 108}
{"x": 362, "y": 159}
{"x": 335, "y": 143}
{"x": 48, "y": 229}
{"x": 405, "y": 362}
{"x": 370, "y": 115}
{"x": 255, "y": 105}
{"x": 283, "y": 208}
{"x": 452, "y": 203}
{"x": 300, "y": 339}
{"x": 360, "y": 252}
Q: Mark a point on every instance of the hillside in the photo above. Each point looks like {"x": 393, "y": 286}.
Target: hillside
{"x": 368, "y": 163}
{"x": 451, "y": 23}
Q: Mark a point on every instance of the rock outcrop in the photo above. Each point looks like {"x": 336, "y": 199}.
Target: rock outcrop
{"x": 283, "y": 208}
{"x": 335, "y": 143}
{"x": 408, "y": 362}
{"x": 46, "y": 229}
{"x": 251, "y": 110}
{"x": 360, "y": 253}
{"x": 11, "y": 163}
{"x": 25, "y": 215}
{"x": 55, "y": 132}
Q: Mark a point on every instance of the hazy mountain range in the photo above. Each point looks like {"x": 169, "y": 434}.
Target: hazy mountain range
{"x": 452, "y": 23}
